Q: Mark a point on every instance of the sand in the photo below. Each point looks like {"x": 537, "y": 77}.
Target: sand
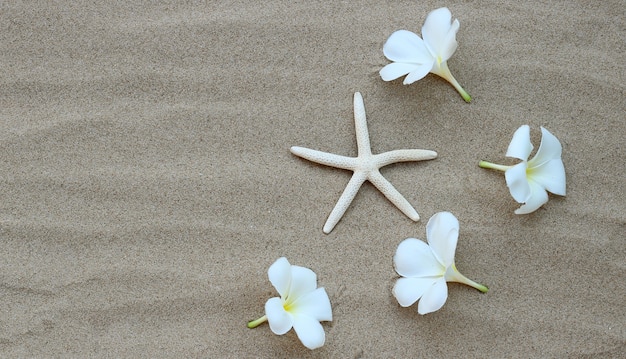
{"x": 147, "y": 184}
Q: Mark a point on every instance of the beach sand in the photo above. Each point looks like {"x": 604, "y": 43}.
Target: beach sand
{"x": 147, "y": 183}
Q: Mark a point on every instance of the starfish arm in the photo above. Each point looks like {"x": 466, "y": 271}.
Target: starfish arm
{"x": 325, "y": 158}
{"x": 392, "y": 194}
{"x": 344, "y": 201}
{"x": 386, "y": 158}
{"x": 360, "y": 124}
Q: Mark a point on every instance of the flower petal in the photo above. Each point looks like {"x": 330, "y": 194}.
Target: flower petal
{"x": 414, "y": 258}
{"x": 408, "y": 290}
{"x": 434, "y": 298}
{"x": 399, "y": 69}
{"x": 551, "y": 176}
{"x": 538, "y": 197}
{"x": 442, "y": 232}
{"x": 449, "y": 44}
{"x": 517, "y": 182}
{"x": 549, "y": 149}
{"x": 418, "y": 73}
{"x": 279, "y": 274}
{"x": 406, "y": 47}
{"x": 546, "y": 168}
{"x": 310, "y": 331}
{"x": 314, "y": 304}
{"x": 303, "y": 281}
{"x": 396, "y": 69}
{"x": 520, "y": 146}
{"x": 436, "y": 31}
{"x": 280, "y": 321}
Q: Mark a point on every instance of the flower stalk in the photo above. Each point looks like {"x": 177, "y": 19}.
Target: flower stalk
{"x": 445, "y": 73}
{"x": 255, "y": 323}
{"x": 493, "y": 166}
{"x": 460, "y": 89}
{"x": 453, "y": 275}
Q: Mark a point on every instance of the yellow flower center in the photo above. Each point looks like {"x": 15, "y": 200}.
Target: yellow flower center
{"x": 288, "y": 305}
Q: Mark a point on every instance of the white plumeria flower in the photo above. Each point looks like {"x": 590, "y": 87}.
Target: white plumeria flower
{"x": 415, "y": 57}
{"x": 529, "y": 180}
{"x": 425, "y": 268}
{"x": 301, "y": 304}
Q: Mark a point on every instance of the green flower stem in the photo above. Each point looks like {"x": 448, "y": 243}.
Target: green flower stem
{"x": 444, "y": 72}
{"x": 480, "y": 287}
{"x": 453, "y": 275}
{"x": 256, "y": 323}
{"x": 462, "y": 91}
{"x": 493, "y": 166}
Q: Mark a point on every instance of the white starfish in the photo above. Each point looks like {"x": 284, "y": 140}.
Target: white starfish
{"x": 366, "y": 167}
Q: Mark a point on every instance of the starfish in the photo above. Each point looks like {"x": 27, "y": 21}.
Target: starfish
{"x": 365, "y": 167}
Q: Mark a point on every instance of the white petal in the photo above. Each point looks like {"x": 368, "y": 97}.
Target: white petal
{"x": 280, "y": 321}
{"x": 406, "y": 47}
{"x": 408, "y": 290}
{"x": 303, "y": 281}
{"x": 520, "y": 146}
{"x": 418, "y": 73}
{"x": 538, "y": 196}
{"x": 415, "y": 258}
{"x": 436, "y": 29}
{"x": 546, "y": 168}
{"x": 396, "y": 69}
{"x": 442, "y": 231}
{"x": 517, "y": 182}
{"x": 434, "y": 298}
{"x": 314, "y": 304}
{"x": 310, "y": 331}
{"x": 551, "y": 176}
{"x": 449, "y": 44}
{"x": 279, "y": 274}
{"x": 549, "y": 149}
